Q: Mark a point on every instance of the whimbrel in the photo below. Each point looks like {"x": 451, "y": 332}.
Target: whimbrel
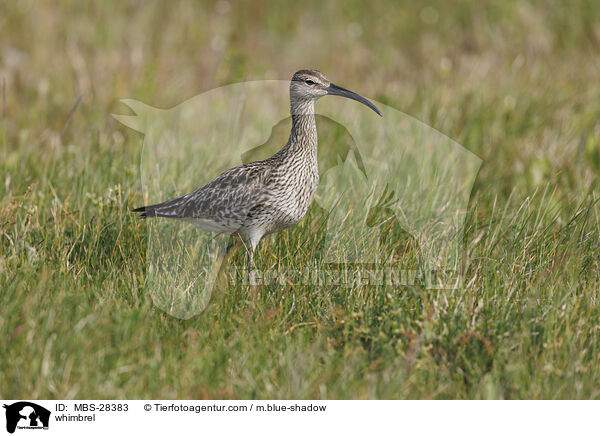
{"x": 264, "y": 197}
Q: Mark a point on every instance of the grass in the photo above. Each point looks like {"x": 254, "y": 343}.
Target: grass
{"x": 513, "y": 82}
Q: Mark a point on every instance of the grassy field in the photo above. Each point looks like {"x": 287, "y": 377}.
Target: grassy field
{"x": 516, "y": 83}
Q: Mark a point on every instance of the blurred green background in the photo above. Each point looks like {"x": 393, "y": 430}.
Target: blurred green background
{"x": 515, "y": 82}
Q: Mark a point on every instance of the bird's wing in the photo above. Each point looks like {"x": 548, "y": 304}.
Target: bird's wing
{"x": 221, "y": 205}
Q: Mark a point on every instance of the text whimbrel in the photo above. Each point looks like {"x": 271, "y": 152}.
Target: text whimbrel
{"x": 259, "y": 198}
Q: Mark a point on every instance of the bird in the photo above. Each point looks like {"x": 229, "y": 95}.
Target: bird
{"x": 260, "y": 198}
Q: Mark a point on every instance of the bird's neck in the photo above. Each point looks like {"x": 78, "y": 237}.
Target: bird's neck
{"x": 303, "y": 136}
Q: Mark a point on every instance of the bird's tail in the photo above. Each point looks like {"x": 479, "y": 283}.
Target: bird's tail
{"x": 166, "y": 209}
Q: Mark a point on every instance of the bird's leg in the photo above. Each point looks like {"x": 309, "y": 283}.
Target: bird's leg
{"x": 227, "y": 249}
{"x": 252, "y": 271}
{"x": 249, "y": 252}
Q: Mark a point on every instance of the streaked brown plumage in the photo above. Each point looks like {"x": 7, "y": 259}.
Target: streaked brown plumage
{"x": 259, "y": 198}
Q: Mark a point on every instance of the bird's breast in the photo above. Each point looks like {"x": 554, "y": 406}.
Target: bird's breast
{"x": 292, "y": 195}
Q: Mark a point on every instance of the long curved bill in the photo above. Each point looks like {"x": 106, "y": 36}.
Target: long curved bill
{"x": 343, "y": 92}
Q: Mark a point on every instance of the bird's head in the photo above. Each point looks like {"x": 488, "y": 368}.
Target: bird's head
{"x": 310, "y": 85}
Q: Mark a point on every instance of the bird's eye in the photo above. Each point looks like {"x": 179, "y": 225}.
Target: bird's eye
{"x": 309, "y": 82}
